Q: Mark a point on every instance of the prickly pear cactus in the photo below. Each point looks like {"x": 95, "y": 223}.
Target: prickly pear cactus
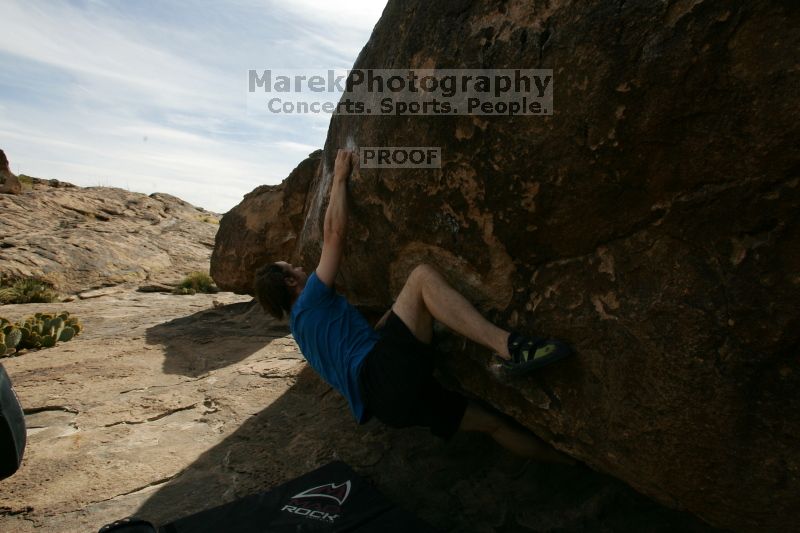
{"x": 35, "y": 341}
{"x": 42, "y": 330}
{"x": 13, "y": 338}
{"x": 66, "y": 334}
{"x": 54, "y": 327}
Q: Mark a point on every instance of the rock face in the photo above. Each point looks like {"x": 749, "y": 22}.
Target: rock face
{"x": 652, "y": 222}
{"x": 263, "y": 228}
{"x": 83, "y": 238}
{"x": 9, "y": 183}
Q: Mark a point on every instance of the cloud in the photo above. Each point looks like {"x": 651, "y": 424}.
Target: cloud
{"x": 152, "y": 97}
{"x": 297, "y": 147}
{"x": 340, "y": 17}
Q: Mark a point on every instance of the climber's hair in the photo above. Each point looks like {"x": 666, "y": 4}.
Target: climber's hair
{"x": 271, "y": 290}
{"x": 3, "y": 161}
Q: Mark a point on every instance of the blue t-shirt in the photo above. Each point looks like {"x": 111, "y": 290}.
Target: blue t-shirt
{"x": 334, "y": 338}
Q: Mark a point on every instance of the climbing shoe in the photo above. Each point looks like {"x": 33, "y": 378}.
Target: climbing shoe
{"x": 530, "y": 353}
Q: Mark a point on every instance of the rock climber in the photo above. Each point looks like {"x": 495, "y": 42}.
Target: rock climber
{"x": 386, "y": 372}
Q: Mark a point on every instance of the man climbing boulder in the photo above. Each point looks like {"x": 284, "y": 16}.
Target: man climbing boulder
{"x": 386, "y": 372}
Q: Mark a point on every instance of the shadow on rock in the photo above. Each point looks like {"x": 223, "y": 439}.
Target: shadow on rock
{"x": 219, "y": 337}
{"x": 468, "y": 484}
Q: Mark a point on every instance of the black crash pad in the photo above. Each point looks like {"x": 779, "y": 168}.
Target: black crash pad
{"x": 331, "y": 498}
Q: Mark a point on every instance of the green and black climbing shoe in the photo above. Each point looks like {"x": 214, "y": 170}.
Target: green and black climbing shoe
{"x": 530, "y": 353}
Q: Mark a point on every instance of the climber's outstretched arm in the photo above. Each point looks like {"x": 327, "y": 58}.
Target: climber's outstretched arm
{"x": 335, "y": 226}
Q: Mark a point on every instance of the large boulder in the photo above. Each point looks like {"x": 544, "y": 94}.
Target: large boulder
{"x": 651, "y": 221}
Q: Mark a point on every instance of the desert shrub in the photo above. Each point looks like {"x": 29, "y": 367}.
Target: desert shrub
{"x": 196, "y": 282}
{"x": 26, "y": 181}
{"x": 26, "y": 290}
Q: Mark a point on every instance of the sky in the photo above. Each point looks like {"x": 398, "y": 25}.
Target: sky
{"x": 151, "y": 95}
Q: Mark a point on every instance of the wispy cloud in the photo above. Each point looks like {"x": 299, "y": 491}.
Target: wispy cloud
{"x": 151, "y": 96}
{"x": 297, "y": 147}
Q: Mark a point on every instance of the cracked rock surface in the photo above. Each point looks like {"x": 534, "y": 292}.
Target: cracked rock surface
{"x": 83, "y": 238}
{"x": 166, "y": 405}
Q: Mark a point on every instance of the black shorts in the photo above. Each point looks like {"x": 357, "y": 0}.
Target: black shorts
{"x": 398, "y": 387}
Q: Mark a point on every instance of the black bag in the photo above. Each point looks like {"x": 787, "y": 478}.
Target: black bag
{"x": 12, "y": 428}
{"x": 330, "y": 499}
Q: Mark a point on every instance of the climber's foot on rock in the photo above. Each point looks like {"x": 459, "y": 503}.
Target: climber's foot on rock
{"x": 531, "y": 353}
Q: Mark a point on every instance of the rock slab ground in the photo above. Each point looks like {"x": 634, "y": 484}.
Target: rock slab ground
{"x": 167, "y": 405}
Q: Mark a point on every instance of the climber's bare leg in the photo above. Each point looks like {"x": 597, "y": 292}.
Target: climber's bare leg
{"x": 427, "y": 295}
{"x": 516, "y": 440}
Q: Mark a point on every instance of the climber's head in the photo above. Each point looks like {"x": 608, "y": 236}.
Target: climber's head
{"x": 3, "y": 162}
{"x": 277, "y": 285}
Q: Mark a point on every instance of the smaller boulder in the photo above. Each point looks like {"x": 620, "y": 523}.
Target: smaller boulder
{"x": 9, "y": 183}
